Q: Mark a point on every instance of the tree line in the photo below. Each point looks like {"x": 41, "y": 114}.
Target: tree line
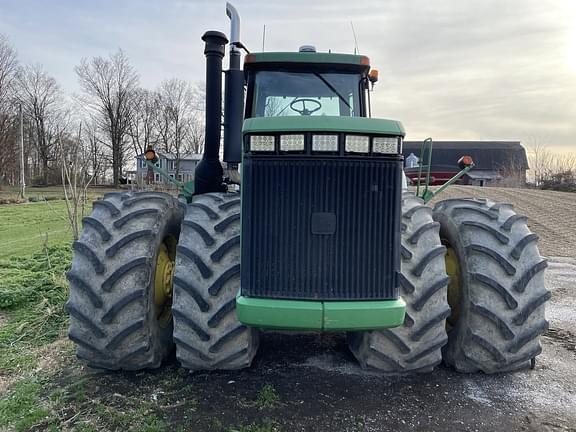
{"x": 106, "y": 125}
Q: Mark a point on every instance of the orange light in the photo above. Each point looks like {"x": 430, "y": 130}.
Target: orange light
{"x": 465, "y": 161}
{"x": 150, "y": 154}
{"x": 373, "y": 75}
{"x": 364, "y": 61}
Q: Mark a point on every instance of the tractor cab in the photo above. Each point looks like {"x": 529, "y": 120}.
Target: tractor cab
{"x": 306, "y": 84}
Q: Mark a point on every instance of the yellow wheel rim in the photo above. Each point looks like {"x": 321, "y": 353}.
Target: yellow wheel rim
{"x": 454, "y": 291}
{"x": 163, "y": 280}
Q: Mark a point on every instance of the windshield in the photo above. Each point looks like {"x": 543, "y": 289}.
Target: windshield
{"x": 306, "y": 94}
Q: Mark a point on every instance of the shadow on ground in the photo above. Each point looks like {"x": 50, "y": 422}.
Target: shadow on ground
{"x": 310, "y": 382}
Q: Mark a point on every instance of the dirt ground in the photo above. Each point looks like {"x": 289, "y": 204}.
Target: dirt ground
{"x": 551, "y": 215}
{"x": 318, "y": 386}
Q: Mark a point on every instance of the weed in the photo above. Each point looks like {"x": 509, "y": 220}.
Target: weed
{"x": 84, "y": 427}
{"x": 77, "y": 392}
{"x": 266, "y": 426}
{"x": 267, "y": 397}
{"x": 22, "y": 407}
{"x": 152, "y": 424}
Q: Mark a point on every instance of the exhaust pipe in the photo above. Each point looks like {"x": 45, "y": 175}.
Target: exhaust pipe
{"x": 233, "y": 94}
{"x": 208, "y": 173}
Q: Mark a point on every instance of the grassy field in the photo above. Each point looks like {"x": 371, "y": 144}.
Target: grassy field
{"x": 25, "y": 228}
{"x": 38, "y": 193}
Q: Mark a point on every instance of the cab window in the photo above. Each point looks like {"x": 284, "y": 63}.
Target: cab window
{"x": 278, "y": 93}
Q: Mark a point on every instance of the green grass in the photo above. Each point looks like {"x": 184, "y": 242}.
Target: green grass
{"x": 25, "y": 228}
{"x": 22, "y": 408}
{"x": 33, "y": 291}
{"x": 49, "y": 192}
{"x": 265, "y": 426}
{"x": 267, "y": 397}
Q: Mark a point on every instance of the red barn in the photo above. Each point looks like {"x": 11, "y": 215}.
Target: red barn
{"x": 495, "y": 161}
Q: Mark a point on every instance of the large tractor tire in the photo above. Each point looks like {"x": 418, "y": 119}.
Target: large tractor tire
{"x": 120, "y": 293}
{"x": 496, "y": 292}
{"x": 207, "y": 332}
{"x": 416, "y": 345}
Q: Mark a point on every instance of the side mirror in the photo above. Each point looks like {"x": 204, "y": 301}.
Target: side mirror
{"x": 465, "y": 162}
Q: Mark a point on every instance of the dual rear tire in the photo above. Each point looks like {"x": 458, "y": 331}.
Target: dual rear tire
{"x": 497, "y": 292}
{"x": 115, "y": 320}
{"x": 123, "y": 314}
{"x": 486, "y": 314}
{"x": 207, "y": 332}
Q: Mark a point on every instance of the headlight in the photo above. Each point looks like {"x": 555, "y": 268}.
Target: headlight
{"x": 385, "y": 145}
{"x": 292, "y": 142}
{"x": 357, "y": 143}
{"x": 260, "y": 143}
{"x": 325, "y": 143}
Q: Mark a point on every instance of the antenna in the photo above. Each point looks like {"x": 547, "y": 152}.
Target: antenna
{"x": 263, "y": 37}
{"x": 356, "y": 51}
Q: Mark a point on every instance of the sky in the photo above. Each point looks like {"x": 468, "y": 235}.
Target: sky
{"x": 449, "y": 69}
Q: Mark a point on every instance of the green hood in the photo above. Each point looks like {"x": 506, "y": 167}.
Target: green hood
{"x": 323, "y": 124}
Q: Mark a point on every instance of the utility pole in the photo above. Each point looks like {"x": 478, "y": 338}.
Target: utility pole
{"x": 22, "y": 177}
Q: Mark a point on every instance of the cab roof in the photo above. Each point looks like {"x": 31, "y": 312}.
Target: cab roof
{"x": 306, "y": 57}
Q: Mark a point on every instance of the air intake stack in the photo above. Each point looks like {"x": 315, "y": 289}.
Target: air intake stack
{"x": 208, "y": 174}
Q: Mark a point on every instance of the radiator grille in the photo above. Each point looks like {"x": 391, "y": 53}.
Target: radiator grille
{"x": 281, "y": 201}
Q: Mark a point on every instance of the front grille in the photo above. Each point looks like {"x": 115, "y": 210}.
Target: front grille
{"x": 321, "y": 228}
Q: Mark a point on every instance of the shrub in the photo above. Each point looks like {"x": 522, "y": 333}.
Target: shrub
{"x": 562, "y": 182}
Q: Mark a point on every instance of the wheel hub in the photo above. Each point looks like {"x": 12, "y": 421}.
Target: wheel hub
{"x": 163, "y": 280}
{"x": 454, "y": 293}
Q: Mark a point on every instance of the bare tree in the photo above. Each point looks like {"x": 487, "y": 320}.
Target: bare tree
{"x": 42, "y": 104}
{"x": 177, "y": 106}
{"x": 76, "y": 176}
{"x": 541, "y": 160}
{"x": 8, "y": 69}
{"x": 9, "y": 168}
{"x": 195, "y": 129}
{"x": 143, "y": 120}
{"x": 92, "y": 141}
{"x": 551, "y": 170}
{"x": 109, "y": 85}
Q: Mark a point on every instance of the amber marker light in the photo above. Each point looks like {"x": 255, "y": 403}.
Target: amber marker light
{"x": 465, "y": 161}
{"x": 373, "y": 75}
{"x": 150, "y": 154}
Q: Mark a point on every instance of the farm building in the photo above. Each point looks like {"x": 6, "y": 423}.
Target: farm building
{"x": 167, "y": 161}
{"x": 496, "y": 161}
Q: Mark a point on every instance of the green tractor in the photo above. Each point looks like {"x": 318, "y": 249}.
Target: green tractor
{"x": 324, "y": 235}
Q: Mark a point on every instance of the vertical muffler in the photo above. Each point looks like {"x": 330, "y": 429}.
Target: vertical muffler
{"x": 233, "y": 94}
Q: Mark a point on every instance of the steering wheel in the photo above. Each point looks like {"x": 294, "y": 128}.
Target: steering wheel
{"x": 304, "y": 111}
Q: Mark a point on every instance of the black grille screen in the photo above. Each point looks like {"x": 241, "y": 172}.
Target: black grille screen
{"x": 320, "y": 228}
